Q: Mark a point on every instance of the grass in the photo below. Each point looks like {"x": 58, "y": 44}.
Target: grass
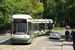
{"x": 59, "y": 28}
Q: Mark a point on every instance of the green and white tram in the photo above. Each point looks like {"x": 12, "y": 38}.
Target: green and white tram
{"x": 22, "y": 31}
{"x": 43, "y": 26}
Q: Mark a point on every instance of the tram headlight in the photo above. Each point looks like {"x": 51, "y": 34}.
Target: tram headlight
{"x": 12, "y": 36}
{"x": 41, "y": 30}
{"x": 24, "y": 36}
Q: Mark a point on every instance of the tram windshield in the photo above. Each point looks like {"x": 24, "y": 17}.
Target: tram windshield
{"x": 20, "y": 26}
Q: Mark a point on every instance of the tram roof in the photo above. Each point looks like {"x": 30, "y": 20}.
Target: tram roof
{"x": 22, "y": 16}
{"x": 42, "y": 20}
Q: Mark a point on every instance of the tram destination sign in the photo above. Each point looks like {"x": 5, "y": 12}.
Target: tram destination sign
{"x": 20, "y": 21}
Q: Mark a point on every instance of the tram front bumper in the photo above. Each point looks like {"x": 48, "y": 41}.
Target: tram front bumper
{"x": 20, "y": 40}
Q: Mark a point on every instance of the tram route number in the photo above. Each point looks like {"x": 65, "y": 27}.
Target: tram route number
{"x": 19, "y": 20}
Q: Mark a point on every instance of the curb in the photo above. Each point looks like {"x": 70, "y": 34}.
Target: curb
{"x": 62, "y": 45}
{"x": 66, "y": 46}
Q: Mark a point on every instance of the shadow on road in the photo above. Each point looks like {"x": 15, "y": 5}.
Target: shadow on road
{"x": 68, "y": 44}
{"x": 8, "y": 42}
{"x": 62, "y": 36}
{"x": 58, "y": 45}
{"x": 5, "y": 42}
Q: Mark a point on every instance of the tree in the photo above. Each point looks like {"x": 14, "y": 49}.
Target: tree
{"x": 6, "y": 10}
{"x": 49, "y": 9}
{"x": 28, "y": 6}
{"x": 10, "y": 7}
{"x": 70, "y": 8}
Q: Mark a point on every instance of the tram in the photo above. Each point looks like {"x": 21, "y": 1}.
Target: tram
{"x": 43, "y": 26}
{"x": 22, "y": 29}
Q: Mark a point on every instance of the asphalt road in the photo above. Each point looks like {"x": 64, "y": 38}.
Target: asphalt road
{"x": 39, "y": 43}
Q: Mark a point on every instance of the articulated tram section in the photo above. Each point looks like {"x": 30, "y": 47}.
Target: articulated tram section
{"x": 25, "y": 28}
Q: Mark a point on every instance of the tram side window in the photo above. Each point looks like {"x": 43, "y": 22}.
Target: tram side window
{"x": 29, "y": 27}
{"x": 35, "y": 26}
{"x": 42, "y": 26}
{"x": 50, "y": 26}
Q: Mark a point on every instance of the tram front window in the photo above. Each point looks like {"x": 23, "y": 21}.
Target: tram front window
{"x": 19, "y": 27}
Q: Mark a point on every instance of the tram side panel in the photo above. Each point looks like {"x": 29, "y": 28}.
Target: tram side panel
{"x": 49, "y": 28}
{"x": 35, "y": 28}
{"x": 30, "y": 31}
{"x": 41, "y": 28}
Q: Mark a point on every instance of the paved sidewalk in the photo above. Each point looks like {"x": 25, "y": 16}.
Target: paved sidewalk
{"x": 6, "y": 34}
{"x": 67, "y": 45}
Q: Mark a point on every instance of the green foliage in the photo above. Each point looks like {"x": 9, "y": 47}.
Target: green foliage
{"x": 28, "y": 6}
{"x": 60, "y": 10}
{"x": 50, "y": 7}
{"x": 10, "y": 7}
{"x": 59, "y": 28}
{"x": 70, "y": 10}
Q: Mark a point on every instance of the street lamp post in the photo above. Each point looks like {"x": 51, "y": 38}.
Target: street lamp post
{"x": 41, "y": 12}
{"x": 63, "y": 23}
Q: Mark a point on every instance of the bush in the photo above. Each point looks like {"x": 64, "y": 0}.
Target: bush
{"x": 59, "y": 28}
